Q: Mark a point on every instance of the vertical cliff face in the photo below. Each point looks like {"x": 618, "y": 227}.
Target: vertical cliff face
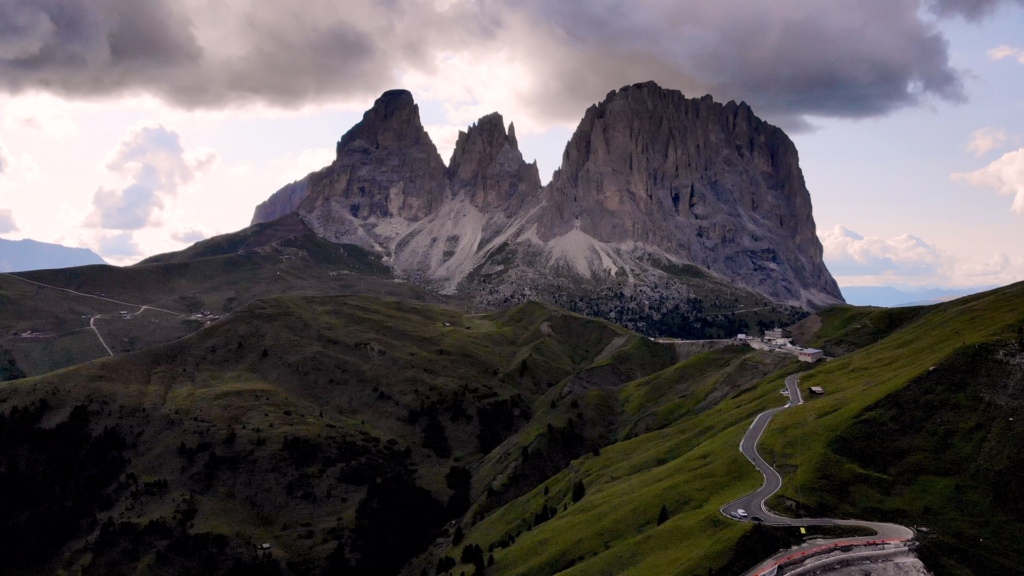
{"x": 488, "y": 169}
{"x": 706, "y": 182}
{"x": 284, "y": 201}
{"x": 650, "y": 183}
{"x": 385, "y": 166}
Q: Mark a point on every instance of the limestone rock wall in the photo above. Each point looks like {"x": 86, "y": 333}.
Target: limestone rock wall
{"x": 649, "y": 179}
{"x": 708, "y": 182}
{"x": 488, "y": 168}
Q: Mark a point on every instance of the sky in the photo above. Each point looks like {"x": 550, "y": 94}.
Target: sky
{"x": 135, "y": 128}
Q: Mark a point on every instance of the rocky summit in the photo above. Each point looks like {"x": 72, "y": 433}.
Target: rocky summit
{"x": 665, "y": 210}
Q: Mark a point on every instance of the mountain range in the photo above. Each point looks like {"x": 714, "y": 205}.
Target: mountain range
{"x": 20, "y": 255}
{"x": 892, "y": 296}
{"x": 656, "y": 193}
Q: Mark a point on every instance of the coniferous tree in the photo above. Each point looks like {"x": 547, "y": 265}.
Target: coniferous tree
{"x": 459, "y": 480}
{"x": 578, "y": 491}
{"x": 434, "y": 437}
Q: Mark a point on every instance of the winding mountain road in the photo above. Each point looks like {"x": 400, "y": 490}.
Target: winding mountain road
{"x": 92, "y": 325}
{"x": 753, "y": 504}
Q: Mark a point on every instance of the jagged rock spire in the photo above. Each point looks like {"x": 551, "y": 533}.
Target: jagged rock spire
{"x": 488, "y": 168}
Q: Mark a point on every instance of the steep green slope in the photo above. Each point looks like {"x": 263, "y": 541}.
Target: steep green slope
{"x": 685, "y": 460}
{"x": 955, "y": 467}
{"x": 836, "y": 457}
{"x": 927, "y": 395}
{"x": 843, "y": 329}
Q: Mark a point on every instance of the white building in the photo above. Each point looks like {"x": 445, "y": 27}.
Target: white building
{"x": 777, "y": 334}
{"x": 810, "y": 355}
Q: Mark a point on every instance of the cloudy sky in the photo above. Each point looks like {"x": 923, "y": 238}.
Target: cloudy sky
{"x": 134, "y": 128}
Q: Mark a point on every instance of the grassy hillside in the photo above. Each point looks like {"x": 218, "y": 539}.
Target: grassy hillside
{"x": 366, "y": 435}
{"x": 310, "y": 423}
{"x": 955, "y": 467}
{"x": 685, "y": 458}
{"x": 216, "y": 275}
{"x": 313, "y": 423}
{"x": 908, "y": 431}
{"x": 853, "y": 453}
{"x": 843, "y": 329}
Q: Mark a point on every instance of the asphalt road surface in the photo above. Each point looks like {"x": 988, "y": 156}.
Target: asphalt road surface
{"x": 754, "y": 504}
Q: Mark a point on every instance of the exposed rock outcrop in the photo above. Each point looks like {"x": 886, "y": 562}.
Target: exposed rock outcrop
{"x": 284, "y": 201}
{"x": 661, "y": 203}
{"x": 710, "y": 183}
{"x": 488, "y": 168}
{"x": 386, "y": 166}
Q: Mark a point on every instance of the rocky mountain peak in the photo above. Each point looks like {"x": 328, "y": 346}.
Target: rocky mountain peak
{"x": 709, "y": 182}
{"x": 393, "y": 121}
{"x": 386, "y": 166}
{"x": 653, "y": 185}
{"x": 488, "y": 168}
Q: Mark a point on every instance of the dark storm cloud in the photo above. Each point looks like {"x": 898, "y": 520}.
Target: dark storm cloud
{"x": 275, "y": 53}
{"x": 788, "y": 58}
{"x": 969, "y": 9}
{"x": 92, "y": 47}
{"x": 847, "y": 58}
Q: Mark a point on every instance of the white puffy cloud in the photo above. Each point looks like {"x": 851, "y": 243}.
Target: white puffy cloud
{"x": 444, "y": 137}
{"x": 306, "y": 161}
{"x": 117, "y": 246}
{"x": 998, "y": 270}
{"x": 154, "y": 157}
{"x": 5, "y": 158}
{"x": 129, "y": 209}
{"x": 985, "y": 140}
{"x": 155, "y": 160}
{"x": 188, "y": 236}
{"x": 42, "y": 113}
{"x": 7, "y": 223}
{"x": 850, "y": 254}
{"x": 908, "y": 261}
{"x": 1005, "y": 175}
{"x": 202, "y": 159}
{"x": 1006, "y": 51}
{"x": 995, "y": 266}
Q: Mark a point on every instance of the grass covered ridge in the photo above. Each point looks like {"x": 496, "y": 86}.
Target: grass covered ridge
{"x": 308, "y": 422}
{"x": 882, "y": 387}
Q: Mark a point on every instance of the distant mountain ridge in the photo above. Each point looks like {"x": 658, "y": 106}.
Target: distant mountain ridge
{"x": 890, "y": 296}
{"x": 23, "y": 255}
{"x": 651, "y": 181}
